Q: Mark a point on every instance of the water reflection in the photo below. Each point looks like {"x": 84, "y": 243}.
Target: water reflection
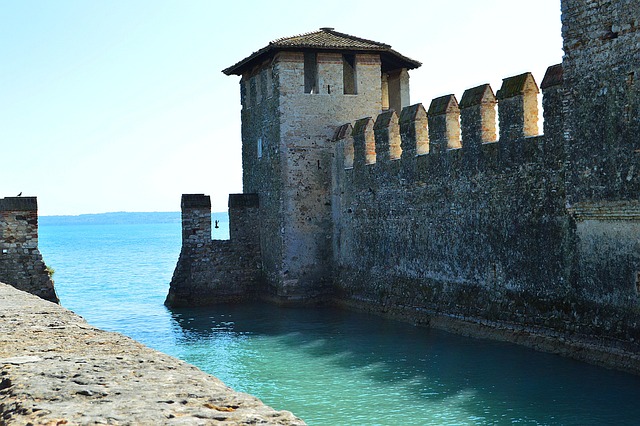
{"x": 355, "y": 365}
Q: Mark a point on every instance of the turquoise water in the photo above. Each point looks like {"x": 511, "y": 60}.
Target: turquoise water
{"x": 328, "y": 366}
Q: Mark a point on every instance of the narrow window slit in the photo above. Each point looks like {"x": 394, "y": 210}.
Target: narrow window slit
{"x": 310, "y": 72}
{"x": 349, "y": 74}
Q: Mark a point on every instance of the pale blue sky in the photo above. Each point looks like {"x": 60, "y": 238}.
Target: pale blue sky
{"x": 122, "y": 105}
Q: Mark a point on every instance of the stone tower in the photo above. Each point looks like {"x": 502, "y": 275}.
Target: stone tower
{"x": 294, "y": 92}
{"x": 601, "y": 69}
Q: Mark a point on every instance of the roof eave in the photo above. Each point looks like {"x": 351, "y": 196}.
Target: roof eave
{"x": 239, "y": 66}
{"x": 396, "y": 58}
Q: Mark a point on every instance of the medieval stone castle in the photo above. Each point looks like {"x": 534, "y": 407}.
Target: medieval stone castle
{"x": 355, "y": 196}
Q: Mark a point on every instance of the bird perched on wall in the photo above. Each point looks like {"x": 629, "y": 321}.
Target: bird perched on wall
{"x": 20, "y": 194}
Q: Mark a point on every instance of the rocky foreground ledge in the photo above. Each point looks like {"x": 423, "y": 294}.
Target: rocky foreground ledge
{"x": 56, "y": 369}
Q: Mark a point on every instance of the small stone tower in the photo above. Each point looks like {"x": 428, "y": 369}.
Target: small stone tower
{"x": 294, "y": 93}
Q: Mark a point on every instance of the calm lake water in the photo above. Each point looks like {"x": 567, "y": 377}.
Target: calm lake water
{"x": 329, "y": 367}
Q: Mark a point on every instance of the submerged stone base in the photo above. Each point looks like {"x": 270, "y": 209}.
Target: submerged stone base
{"x": 57, "y": 369}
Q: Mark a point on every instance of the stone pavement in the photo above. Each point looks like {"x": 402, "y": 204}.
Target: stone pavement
{"x": 56, "y": 369}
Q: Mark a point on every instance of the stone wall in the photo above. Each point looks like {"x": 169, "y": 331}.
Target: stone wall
{"x": 56, "y": 369}
{"x": 479, "y": 230}
{"x": 217, "y": 271}
{"x": 602, "y": 69}
{"x": 262, "y": 165}
{"x": 484, "y": 231}
{"x": 601, "y": 72}
{"x": 21, "y": 263}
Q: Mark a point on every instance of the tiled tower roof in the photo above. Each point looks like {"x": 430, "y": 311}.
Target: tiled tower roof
{"x": 326, "y": 39}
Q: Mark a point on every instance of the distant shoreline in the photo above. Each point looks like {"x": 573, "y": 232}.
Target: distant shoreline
{"x": 122, "y": 218}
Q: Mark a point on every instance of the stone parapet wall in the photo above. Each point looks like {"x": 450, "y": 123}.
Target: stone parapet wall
{"x": 57, "y": 369}
{"x": 490, "y": 242}
{"x": 21, "y": 263}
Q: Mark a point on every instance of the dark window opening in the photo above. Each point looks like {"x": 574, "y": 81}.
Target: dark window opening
{"x": 394, "y": 90}
{"x": 310, "y": 73}
{"x": 349, "y": 74}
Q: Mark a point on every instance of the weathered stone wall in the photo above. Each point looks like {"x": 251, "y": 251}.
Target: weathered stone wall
{"x": 21, "y": 263}
{"x": 484, "y": 232}
{"x": 537, "y": 231}
{"x": 601, "y": 71}
{"x": 480, "y": 231}
{"x": 217, "y": 271}
{"x": 56, "y": 369}
{"x": 262, "y": 171}
{"x": 307, "y": 125}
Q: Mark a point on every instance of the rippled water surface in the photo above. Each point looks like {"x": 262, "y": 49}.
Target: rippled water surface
{"x": 329, "y": 367}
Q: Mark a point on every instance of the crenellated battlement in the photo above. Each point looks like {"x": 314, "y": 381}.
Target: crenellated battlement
{"x": 443, "y": 117}
{"x": 449, "y": 125}
{"x": 414, "y": 131}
